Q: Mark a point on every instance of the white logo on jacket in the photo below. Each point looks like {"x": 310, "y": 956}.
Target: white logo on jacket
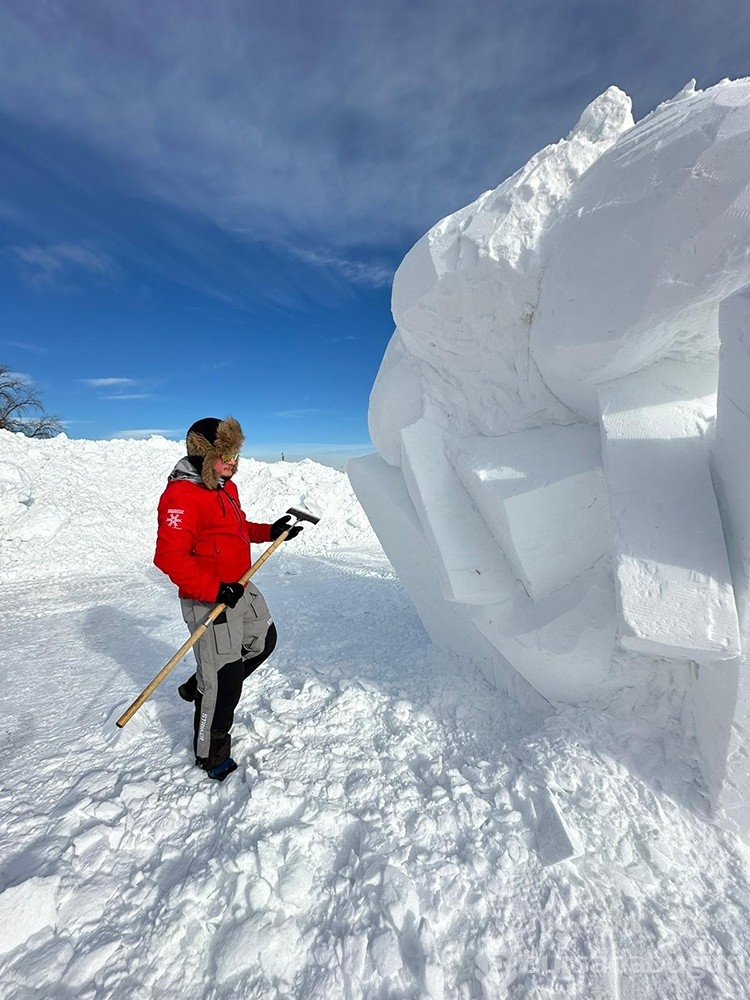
{"x": 174, "y": 518}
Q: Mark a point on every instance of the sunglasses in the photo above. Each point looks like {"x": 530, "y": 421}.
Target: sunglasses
{"x": 230, "y": 458}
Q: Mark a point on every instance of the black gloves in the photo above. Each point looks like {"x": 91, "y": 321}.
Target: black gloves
{"x": 282, "y": 525}
{"x": 230, "y": 594}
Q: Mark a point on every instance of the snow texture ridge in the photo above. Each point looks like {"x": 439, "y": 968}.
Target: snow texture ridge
{"x": 549, "y": 398}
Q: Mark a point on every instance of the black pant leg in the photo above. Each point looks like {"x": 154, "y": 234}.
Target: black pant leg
{"x": 230, "y": 678}
{"x": 251, "y": 663}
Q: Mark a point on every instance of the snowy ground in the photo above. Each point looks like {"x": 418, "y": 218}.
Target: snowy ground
{"x": 394, "y": 827}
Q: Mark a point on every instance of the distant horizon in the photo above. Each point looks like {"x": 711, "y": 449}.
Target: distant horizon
{"x": 332, "y": 455}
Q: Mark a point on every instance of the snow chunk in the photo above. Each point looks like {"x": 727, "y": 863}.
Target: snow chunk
{"x": 382, "y": 492}
{"x": 26, "y": 909}
{"x": 386, "y": 953}
{"x": 399, "y": 897}
{"x": 731, "y": 439}
{"x": 542, "y": 495}
{"x": 554, "y": 838}
{"x": 295, "y": 880}
{"x": 84, "y": 967}
{"x": 274, "y": 944}
{"x": 473, "y": 569}
{"x": 562, "y": 645}
{"x": 673, "y": 582}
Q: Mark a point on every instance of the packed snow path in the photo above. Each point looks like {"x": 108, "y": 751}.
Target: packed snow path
{"x": 396, "y": 826}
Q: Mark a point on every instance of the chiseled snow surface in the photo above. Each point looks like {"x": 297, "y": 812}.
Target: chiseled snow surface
{"x": 396, "y": 825}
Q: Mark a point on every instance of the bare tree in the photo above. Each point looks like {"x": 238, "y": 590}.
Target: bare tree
{"x": 17, "y": 397}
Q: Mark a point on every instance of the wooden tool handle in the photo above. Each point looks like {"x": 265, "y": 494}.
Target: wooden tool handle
{"x": 146, "y": 693}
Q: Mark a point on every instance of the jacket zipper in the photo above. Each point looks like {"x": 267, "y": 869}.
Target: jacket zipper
{"x": 235, "y": 508}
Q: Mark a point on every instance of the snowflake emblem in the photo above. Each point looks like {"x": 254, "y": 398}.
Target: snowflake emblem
{"x": 174, "y": 517}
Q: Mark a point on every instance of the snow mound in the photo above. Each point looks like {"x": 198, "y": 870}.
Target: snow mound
{"x": 112, "y": 492}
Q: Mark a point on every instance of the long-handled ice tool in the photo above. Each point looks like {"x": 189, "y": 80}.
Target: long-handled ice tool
{"x": 298, "y": 515}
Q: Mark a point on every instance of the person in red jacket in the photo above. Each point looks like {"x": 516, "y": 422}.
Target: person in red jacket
{"x": 203, "y": 545}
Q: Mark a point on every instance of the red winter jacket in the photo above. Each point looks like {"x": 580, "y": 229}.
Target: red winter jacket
{"x": 203, "y": 538}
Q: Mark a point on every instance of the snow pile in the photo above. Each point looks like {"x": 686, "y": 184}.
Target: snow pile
{"x": 397, "y": 827}
{"x": 545, "y": 411}
{"x": 115, "y": 495}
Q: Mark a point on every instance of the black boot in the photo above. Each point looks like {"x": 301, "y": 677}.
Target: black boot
{"x": 220, "y": 771}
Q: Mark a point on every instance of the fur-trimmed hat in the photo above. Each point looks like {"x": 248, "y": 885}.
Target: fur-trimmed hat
{"x": 209, "y": 438}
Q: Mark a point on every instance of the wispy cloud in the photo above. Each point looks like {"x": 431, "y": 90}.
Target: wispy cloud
{"x": 105, "y": 383}
{"x": 357, "y": 271}
{"x": 19, "y": 345}
{"x": 110, "y": 388}
{"x": 62, "y": 265}
{"x": 129, "y": 396}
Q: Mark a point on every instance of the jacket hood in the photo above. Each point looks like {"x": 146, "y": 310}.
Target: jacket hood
{"x": 186, "y": 470}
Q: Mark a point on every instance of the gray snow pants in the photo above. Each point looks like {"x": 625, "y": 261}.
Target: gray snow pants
{"x": 237, "y": 632}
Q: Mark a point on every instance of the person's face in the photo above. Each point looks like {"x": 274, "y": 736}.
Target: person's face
{"x": 226, "y": 465}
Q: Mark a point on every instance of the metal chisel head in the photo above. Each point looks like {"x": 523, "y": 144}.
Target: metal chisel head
{"x": 303, "y": 515}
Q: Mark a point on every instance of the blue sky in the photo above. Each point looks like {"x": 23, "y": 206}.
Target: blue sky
{"x": 202, "y": 203}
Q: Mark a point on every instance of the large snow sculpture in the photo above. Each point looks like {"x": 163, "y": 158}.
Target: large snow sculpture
{"x": 544, "y": 412}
